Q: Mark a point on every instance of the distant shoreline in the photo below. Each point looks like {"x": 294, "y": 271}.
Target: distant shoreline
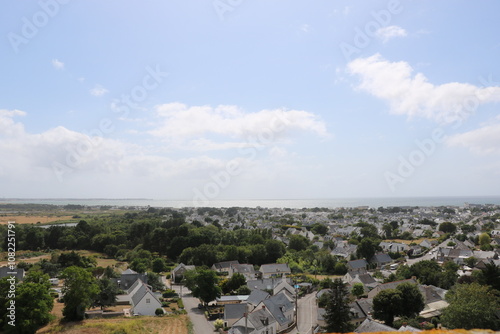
{"x": 267, "y": 203}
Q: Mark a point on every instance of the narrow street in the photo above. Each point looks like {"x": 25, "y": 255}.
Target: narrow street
{"x": 200, "y": 324}
{"x": 306, "y": 315}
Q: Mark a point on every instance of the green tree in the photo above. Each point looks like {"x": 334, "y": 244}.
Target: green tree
{"x": 367, "y": 248}
{"x": 484, "y": 241}
{"x": 274, "y": 249}
{"x": 387, "y": 304}
{"x": 447, "y": 227}
{"x": 206, "y": 286}
{"x": 298, "y": 242}
{"x": 412, "y": 299}
{"x": 358, "y": 289}
{"x": 159, "y": 265}
{"x": 337, "y": 314}
{"x": 427, "y": 271}
{"x": 33, "y": 306}
{"x": 80, "y": 290}
{"x": 471, "y": 306}
{"x": 491, "y": 276}
{"x": 235, "y": 282}
{"x": 108, "y": 292}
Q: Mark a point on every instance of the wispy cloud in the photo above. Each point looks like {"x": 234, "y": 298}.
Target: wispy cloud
{"x": 59, "y": 65}
{"x": 413, "y": 95}
{"x": 305, "y": 28}
{"x": 390, "y": 32}
{"x": 98, "y": 90}
{"x": 485, "y": 140}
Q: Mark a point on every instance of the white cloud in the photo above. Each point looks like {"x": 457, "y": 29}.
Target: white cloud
{"x": 98, "y": 90}
{"x": 411, "y": 94}
{"x": 305, "y": 28}
{"x": 390, "y": 32}
{"x": 485, "y": 140}
{"x": 57, "y": 64}
{"x": 181, "y": 124}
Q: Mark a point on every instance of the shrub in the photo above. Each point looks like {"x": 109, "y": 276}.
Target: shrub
{"x": 159, "y": 311}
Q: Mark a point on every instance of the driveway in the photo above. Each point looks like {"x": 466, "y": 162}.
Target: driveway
{"x": 200, "y": 324}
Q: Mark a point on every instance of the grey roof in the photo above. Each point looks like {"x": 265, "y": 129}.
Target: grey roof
{"x": 256, "y": 296}
{"x": 133, "y": 286}
{"x": 275, "y": 268}
{"x": 369, "y": 325}
{"x": 265, "y": 283}
{"x": 277, "y": 306}
{"x": 234, "y": 311}
{"x": 260, "y": 318}
{"x": 225, "y": 264}
{"x": 381, "y": 258}
{"x": 129, "y": 272}
{"x": 243, "y": 268}
{"x": 356, "y": 264}
{"x": 366, "y": 279}
{"x": 408, "y": 329}
{"x": 143, "y": 290}
{"x": 366, "y": 305}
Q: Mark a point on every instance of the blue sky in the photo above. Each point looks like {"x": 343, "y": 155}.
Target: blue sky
{"x": 261, "y": 99}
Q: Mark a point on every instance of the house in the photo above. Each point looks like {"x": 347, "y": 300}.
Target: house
{"x": 246, "y": 270}
{"x": 223, "y": 267}
{"x": 428, "y": 243}
{"x": 274, "y": 270}
{"x": 357, "y": 312}
{"x": 407, "y": 328}
{"x": 233, "y": 312}
{"x": 381, "y": 259}
{"x": 255, "y": 298}
{"x": 368, "y": 325}
{"x": 273, "y": 286}
{"x": 434, "y": 299}
{"x": 281, "y": 309}
{"x": 257, "y": 322}
{"x": 357, "y": 264}
{"x": 144, "y": 302}
{"x": 394, "y": 247}
{"x": 17, "y": 272}
{"x": 128, "y": 278}
{"x": 178, "y": 272}
{"x": 367, "y": 280}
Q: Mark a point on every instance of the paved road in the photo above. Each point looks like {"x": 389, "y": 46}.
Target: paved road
{"x": 307, "y": 314}
{"x": 200, "y": 324}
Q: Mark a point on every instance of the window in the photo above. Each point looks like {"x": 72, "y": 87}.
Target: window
{"x": 148, "y": 300}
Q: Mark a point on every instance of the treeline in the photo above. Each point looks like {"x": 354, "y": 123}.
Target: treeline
{"x": 120, "y": 235}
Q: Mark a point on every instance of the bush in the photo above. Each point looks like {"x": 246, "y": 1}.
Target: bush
{"x": 218, "y": 324}
{"x": 169, "y": 293}
{"x": 159, "y": 311}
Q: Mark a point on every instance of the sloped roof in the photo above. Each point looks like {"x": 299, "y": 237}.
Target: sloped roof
{"x": 260, "y": 318}
{"x": 256, "y": 296}
{"x": 369, "y": 326}
{"x": 129, "y": 272}
{"x": 234, "y": 311}
{"x": 139, "y": 295}
{"x": 356, "y": 264}
{"x": 225, "y": 264}
{"x": 275, "y": 268}
{"x": 277, "y": 305}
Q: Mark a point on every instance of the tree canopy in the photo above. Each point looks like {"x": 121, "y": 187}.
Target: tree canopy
{"x": 337, "y": 308}
{"x": 471, "y": 306}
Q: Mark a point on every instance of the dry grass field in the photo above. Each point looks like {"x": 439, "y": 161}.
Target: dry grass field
{"x": 25, "y": 219}
{"x": 173, "y": 324}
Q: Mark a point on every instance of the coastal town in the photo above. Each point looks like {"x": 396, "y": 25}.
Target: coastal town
{"x": 273, "y": 270}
